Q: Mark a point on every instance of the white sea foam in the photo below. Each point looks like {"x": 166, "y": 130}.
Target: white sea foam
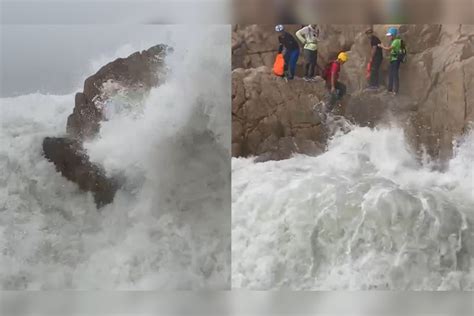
{"x": 364, "y": 215}
{"x": 169, "y": 225}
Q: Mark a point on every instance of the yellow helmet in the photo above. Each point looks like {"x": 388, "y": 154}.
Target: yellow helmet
{"x": 342, "y": 56}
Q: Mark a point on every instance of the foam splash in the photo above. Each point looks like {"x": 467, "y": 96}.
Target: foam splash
{"x": 364, "y": 215}
{"x": 168, "y": 227}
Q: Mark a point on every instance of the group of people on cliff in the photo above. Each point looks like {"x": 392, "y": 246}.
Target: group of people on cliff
{"x": 309, "y": 36}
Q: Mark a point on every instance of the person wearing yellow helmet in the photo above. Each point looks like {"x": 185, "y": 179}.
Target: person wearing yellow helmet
{"x": 342, "y": 57}
{"x": 331, "y": 74}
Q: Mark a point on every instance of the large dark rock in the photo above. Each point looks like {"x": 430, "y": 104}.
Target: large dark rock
{"x": 71, "y": 160}
{"x": 135, "y": 74}
{"x": 138, "y": 72}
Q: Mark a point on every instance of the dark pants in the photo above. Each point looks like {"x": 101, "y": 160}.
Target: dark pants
{"x": 374, "y": 72}
{"x": 291, "y": 57}
{"x": 393, "y": 79}
{"x": 337, "y": 95}
{"x": 311, "y": 57}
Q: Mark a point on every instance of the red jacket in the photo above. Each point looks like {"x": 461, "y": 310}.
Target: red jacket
{"x": 334, "y": 71}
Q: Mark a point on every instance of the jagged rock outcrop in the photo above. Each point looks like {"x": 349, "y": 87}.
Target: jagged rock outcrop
{"x": 436, "y": 102}
{"x": 272, "y": 118}
{"x": 137, "y": 74}
{"x": 73, "y": 163}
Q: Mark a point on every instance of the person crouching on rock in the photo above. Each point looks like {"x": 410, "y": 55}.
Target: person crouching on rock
{"x": 292, "y": 51}
{"x": 331, "y": 75}
{"x": 309, "y": 36}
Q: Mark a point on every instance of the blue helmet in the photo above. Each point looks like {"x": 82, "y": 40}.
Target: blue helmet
{"x": 279, "y": 28}
{"x": 392, "y": 31}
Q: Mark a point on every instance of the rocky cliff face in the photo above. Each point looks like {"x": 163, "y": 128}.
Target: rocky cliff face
{"x": 435, "y": 105}
{"x": 137, "y": 73}
{"x": 273, "y": 118}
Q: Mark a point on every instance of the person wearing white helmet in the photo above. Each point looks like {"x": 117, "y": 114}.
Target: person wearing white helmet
{"x": 292, "y": 50}
{"x": 309, "y": 36}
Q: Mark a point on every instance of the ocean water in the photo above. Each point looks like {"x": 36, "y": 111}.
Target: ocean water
{"x": 168, "y": 226}
{"x": 366, "y": 214}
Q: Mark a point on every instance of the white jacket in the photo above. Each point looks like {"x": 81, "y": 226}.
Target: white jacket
{"x": 309, "y": 37}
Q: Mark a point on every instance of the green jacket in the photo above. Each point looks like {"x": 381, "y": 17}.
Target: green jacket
{"x": 396, "y": 48}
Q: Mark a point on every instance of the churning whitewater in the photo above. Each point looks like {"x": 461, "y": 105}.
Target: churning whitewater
{"x": 366, "y": 214}
{"x": 169, "y": 224}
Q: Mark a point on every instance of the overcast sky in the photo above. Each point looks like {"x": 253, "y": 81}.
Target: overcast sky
{"x": 52, "y": 46}
{"x": 57, "y": 58}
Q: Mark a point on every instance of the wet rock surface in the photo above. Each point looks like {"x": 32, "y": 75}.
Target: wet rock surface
{"x": 137, "y": 73}
{"x": 71, "y": 160}
{"x": 435, "y": 104}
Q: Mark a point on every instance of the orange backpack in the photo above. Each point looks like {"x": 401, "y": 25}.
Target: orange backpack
{"x": 279, "y": 65}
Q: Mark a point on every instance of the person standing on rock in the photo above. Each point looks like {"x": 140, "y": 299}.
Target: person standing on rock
{"x": 309, "y": 36}
{"x": 331, "y": 74}
{"x": 292, "y": 51}
{"x": 375, "y": 60}
{"x": 395, "y": 49}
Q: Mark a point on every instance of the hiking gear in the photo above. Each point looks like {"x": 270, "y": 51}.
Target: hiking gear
{"x": 309, "y": 37}
{"x": 279, "y": 28}
{"x": 311, "y": 58}
{"x": 392, "y": 31}
{"x": 291, "y": 57}
{"x": 393, "y": 78}
{"x": 402, "y": 54}
{"x": 342, "y": 56}
{"x": 279, "y": 65}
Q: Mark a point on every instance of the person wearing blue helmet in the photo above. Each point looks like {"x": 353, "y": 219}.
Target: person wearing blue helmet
{"x": 395, "y": 50}
{"x": 292, "y": 50}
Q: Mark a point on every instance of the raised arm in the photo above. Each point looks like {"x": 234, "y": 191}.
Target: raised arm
{"x": 300, "y": 36}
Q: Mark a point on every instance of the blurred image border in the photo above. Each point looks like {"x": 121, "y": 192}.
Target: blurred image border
{"x": 235, "y": 303}
{"x": 238, "y": 11}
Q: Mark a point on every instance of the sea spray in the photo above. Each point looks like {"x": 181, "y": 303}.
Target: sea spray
{"x": 366, "y": 214}
{"x": 169, "y": 225}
